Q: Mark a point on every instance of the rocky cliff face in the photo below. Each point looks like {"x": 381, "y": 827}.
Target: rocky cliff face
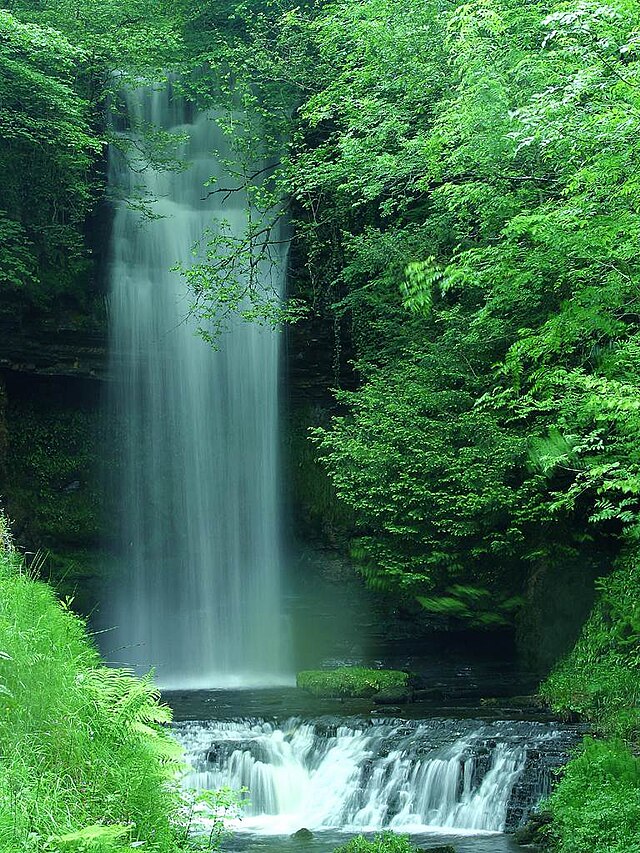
{"x": 52, "y": 451}
{"x": 319, "y": 352}
{"x": 62, "y": 339}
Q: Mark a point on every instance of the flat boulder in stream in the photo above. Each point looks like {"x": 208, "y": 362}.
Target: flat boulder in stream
{"x": 392, "y": 696}
{"x": 354, "y": 682}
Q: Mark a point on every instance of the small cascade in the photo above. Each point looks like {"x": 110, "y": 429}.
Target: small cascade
{"x": 365, "y": 775}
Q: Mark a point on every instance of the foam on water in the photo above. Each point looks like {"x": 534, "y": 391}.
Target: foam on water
{"x": 415, "y": 777}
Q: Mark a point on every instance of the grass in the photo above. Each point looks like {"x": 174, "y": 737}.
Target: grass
{"x": 86, "y": 764}
{"x": 386, "y": 842}
{"x": 352, "y": 682}
{"x": 596, "y": 804}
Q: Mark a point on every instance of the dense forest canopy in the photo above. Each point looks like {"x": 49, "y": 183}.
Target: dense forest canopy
{"x": 461, "y": 184}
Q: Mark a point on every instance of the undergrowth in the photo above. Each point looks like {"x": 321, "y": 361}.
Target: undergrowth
{"x": 600, "y": 679}
{"x": 596, "y": 804}
{"x": 386, "y": 842}
{"x": 85, "y": 762}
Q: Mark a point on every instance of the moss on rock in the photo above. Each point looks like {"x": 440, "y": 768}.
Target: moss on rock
{"x": 355, "y": 683}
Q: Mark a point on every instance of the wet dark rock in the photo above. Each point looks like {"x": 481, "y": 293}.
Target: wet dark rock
{"x": 533, "y": 704}
{"x": 535, "y": 830}
{"x": 56, "y": 341}
{"x": 482, "y": 764}
{"x": 392, "y": 696}
{"x": 366, "y": 772}
{"x": 534, "y": 784}
{"x": 303, "y": 834}
{"x": 326, "y": 729}
{"x": 442, "y": 848}
{"x": 220, "y": 752}
{"x": 429, "y": 694}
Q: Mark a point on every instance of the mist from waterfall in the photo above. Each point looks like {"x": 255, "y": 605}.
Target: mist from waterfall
{"x": 197, "y": 593}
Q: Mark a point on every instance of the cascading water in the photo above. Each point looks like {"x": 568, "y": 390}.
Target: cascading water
{"x": 359, "y": 775}
{"x": 197, "y": 489}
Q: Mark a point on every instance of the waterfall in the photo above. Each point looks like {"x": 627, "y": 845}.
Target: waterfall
{"x": 364, "y": 775}
{"x": 198, "y": 546}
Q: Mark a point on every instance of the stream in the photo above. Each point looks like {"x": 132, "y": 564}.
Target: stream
{"x": 463, "y": 765}
{"x": 439, "y": 779}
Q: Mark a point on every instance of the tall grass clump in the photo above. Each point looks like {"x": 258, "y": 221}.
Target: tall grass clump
{"x": 382, "y": 842}
{"x": 85, "y": 764}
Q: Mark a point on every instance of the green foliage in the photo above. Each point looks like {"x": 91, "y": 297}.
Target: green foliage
{"x": 45, "y": 156}
{"x": 96, "y": 838}
{"x": 215, "y": 807}
{"x": 383, "y": 842}
{"x": 475, "y": 605}
{"x": 433, "y": 482}
{"x": 132, "y": 35}
{"x": 474, "y": 219}
{"x": 353, "y": 681}
{"x": 600, "y": 678}
{"x": 56, "y": 72}
{"x": 596, "y": 806}
{"x": 87, "y": 765}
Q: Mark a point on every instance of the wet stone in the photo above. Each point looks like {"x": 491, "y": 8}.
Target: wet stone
{"x": 302, "y": 834}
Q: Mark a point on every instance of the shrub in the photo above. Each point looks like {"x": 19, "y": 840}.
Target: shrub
{"x": 384, "y": 842}
{"x": 596, "y": 806}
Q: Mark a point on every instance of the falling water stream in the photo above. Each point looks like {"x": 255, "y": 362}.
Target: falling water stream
{"x": 199, "y": 596}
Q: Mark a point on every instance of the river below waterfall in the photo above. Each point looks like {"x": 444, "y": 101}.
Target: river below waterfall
{"x": 328, "y": 840}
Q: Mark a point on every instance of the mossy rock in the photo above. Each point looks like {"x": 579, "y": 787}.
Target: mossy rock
{"x": 393, "y": 695}
{"x": 356, "y": 683}
{"x": 535, "y": 830}
{"x": 303, "y": 834}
